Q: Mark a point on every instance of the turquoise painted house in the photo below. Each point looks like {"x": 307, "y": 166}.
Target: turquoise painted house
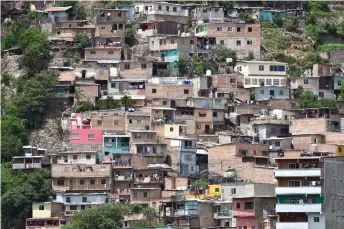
{"x": 116, "y": 148}
{"x": 171, "y": 56}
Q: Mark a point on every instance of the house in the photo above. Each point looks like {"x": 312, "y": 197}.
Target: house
{"x": 72, "y": 157}
{"x": 181, "y": 89}
{"x": 45, "y": 215}
{"x": 135, "y": 69}
{"x": 253, "y": 203}
{"x": 76, "y": 202}
{"x": 82, "y": 132}
{"x": 34, "y": 158}
{"x": 137, "y": 121}
{"x": 157, "y": 27}
{"x": 262, "y": 73}
{"x": 88, "y": 92}
{"x": 299, "y": 192}
{"x": 126, "y": 86}
{"x": 204, "y": 120}
{"x": 270, "y": 92}
{"x": 81, "y": 177}
{"x": 209, "y": 14}
{"x": 161, "y": 11}
{"x": 57, "y": 14}
{"x": 110, "y": 22}
{"x": 109, "y": 120}
{"x": 243, "y": 38}
{"x": 323, "y": 87}
{"x": 75, "y": 27}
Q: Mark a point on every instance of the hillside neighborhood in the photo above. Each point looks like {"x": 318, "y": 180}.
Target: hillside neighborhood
{"x": 177, "y": 114}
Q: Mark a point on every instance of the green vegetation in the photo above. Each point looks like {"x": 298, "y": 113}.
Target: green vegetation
{"x": 23, "y": 109}
{"x": 79, "y": 12}
{"x": 19, "y": 191}
{"x": 108, "y": 103}
{"x": 308, "y": 100}
{"x": 15, "y": 29}
{"x": 222, "y": 53}
{"x": 247, "y": 17}
{"x": 109, "y": 216}
{"x": 341, "y": 94}
{"x": 81, "y": 40}
{"x": 192, "y": 66}
{"x": 330, "y": 47}
{"x": 126, "y": 101}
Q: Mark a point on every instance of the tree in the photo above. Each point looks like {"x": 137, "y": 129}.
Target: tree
{"x": 250, "y": 56}
{"x": 222, "y": 53}
{"x": 182, "y": 66}
{"x": 298, "y": 92}
{"x": 108, "y": 103}
{"x": 126, "y": 101}
{"x": 247, "y": 17}
{"x": 308, "y": 100}
{"x": 81, "y": 40}
{"x": 340, "y": 29}
{"x": 83, "y": 106}
{"x": 142, "y": 223}
{"x": 200, "y": 186}
{"x": 19, "y": 191}
{"x": 341, "y": 94}
{"x": 108, "y": 216}
{"x": 15, "y": 29}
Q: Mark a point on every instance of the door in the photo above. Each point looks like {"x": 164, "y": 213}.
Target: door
{"x": 207, "y": 129}
{"x": 121, "y": 87}
{"x": 71, "y": 186}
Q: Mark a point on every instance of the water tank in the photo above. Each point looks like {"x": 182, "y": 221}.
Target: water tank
{"x": 229, "y": 60}
{"x": 208, "y": 73}
{"x": 183, "y": 34}
{"x": 188, "y": 34}
{"x": 314, "y": 147}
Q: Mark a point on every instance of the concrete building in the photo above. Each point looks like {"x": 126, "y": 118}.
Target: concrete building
{"x": 262, "y": 73}
{"x": 45, "y": 215}
{"x": 110, "y": 22}
{"x": 33, "y": 159}
{"x": 271, "y": 92}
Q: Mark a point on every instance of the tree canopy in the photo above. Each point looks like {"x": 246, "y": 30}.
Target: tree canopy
{"x": 308, "y": 100}
{"x": 19, "y": 191}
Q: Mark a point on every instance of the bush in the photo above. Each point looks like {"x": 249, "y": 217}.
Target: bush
{"x": 290, "y": 24}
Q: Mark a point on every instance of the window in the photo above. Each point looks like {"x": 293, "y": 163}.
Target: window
{"x": 167, "y": 8}
{"x": 126, "y": 66}
{"x": 174, "y": 9}
{"x": 60, "y": 182}
{"x": 281, "y": 92}
{"x": 92, "y": 182}
{"x": 283, "y": 82}
{"x": 171, "y": 129}
{"x": 82, "y": 182}
{"x": 238, "y": 29}
{"x": 254, "y": 81}
{"x": 249, "y": 205}
{"x": 222, "y": 42}
{"x": 154, "y": 90}
{"x": 217, "y": 189}
{"x": 321, "y": 94}
{"x": 247, "y": 81}
{"x": 82, "y": 207}
{"x": 186, "y": 91}
{"x": 110, "y": 52}
{"x": 219, "y": 28}
{"x": 101, "y": 71}
{"x": 93, "y": 52}
{"x": 214, "y": 114}
{"x": 238, "y": 42}
{"x": 130, "y": 121}
{"x": 216, "y": 10}
{"x": 115, "y": 122}
{"x": 192, "y": 42}
{"x": 164, "y": 102}
{"x": 145, "y": 194}
{"x": 268, "y": 81}
{"x": 249, "y": 29}
{"x": 106, "y": 153}
{"x": 113, "y": 85}
{"x": 103, "y": 27}
{"x": 172, "y": 41}
{"x": 305, "y": 81}
{"x": 68, "y": 199}
{"x": 143, "y": 66}
{"x": 339, "y": 83}
{"x": 90, "y": 136}
{"x": 75, "y": 157}
{"x": 230, "y": 29}
{"x": 202, "y": 114}
{"x": 138, "y": 121}
{"x": 245, "y": 227}
{"x": 261, "y": 67}
{"x": 73, "y": 208}
{"x": 273, "y": 130}
{"x": 88, "y": 156}
{"x": 277, "y": 68}
{"x": 238, "y": 205}
{"x": 198, "y": 126}
{"x": 84, "y": 199}
{"x": 41, "y": 207}
{"x": 316, "y": 219}
{"x": 75, "y": 136}
{"x": 159, "y": 7}
{"x": 276, "y": 82}
{"x": 249, "y": 42}
{"x": 146, "y": 7}
{"x": 262, "y": 92}
{"x": 233, "y": 190}
{"x": 294, "y": 183}
{"x": 103, "y": 181}
{"x": 187, "y": 158}
{"x": 261, "y": 81}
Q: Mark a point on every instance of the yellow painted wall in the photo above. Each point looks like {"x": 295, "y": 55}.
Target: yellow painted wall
{"x": 207, "y": 118}
{"x": 170, "y": 134}
{"x": 36, "y": 213}
{"x": 340, "y": 150}
{"x": 215, "y": 190}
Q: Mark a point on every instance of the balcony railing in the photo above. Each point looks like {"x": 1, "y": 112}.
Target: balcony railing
{"x": 123, "y": 178}
{"x": 71, "y": 212}
{"x": 122, "y": 191}
{"x": 223, "y": 214}
{"x": 298, "y": 172}
{"x": 146, "y": 180}
{"x": 309, "y": 190}
{"x": 287, "y": 208}
{"x": 27, "y": 166}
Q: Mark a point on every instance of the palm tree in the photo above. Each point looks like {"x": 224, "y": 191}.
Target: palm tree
{"x": 126, "y": 101}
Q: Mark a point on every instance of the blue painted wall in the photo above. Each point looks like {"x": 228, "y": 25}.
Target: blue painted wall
{"x": 279, "y": 92}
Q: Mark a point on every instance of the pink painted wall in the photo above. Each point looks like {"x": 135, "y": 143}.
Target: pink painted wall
{"x": 242, "y": 212}
{"x": 83, "y": 136}
{"x": 246, "y": 221}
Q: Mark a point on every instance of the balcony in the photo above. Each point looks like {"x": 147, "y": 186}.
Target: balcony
{"x": 292, "y": 225}
{"x": 27, "y": 166}
{"x": 147, "y": 180}
{"x": 297, "y": 172}
{"x": 123, "y": 178}
{"x": 124, "y": 192}
{"x": 297, "y": 190}
{"x": 223, "y": 215}
{"x": 298, "y": 208}
{"x": 71, "y": 212}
